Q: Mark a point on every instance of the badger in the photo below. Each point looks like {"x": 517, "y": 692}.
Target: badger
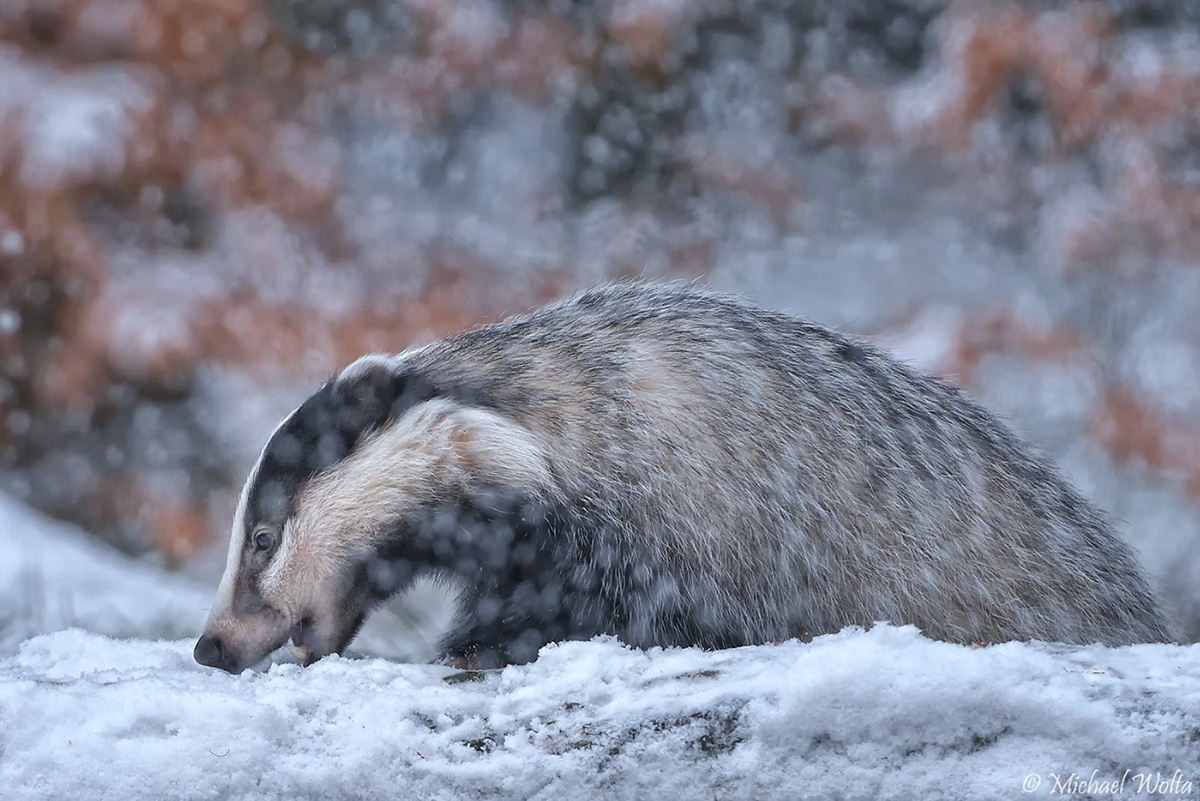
{"x": 670, "y": 466}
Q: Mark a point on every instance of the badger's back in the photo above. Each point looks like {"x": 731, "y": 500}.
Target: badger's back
{"x": 727, "y": 475}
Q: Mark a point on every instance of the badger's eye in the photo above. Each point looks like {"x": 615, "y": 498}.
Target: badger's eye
{"x": 263, "y": 539}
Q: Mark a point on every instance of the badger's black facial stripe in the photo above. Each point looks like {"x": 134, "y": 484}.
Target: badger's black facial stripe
{"x": 325, "y": 430}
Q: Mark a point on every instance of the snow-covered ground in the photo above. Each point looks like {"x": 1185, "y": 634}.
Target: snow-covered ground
{"x": 883, "y": 713}
{"x": 879, "y": 714}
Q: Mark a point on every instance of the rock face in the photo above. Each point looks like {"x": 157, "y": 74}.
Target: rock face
{"x": 206, "y": 207}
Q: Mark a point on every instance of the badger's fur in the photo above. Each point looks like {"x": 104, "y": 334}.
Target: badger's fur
{"x": 671, "y": 466}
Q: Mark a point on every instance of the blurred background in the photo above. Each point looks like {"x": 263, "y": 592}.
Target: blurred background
{"x": 207, "y": 207}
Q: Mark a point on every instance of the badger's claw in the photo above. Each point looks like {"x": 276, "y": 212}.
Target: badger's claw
{"x": 301, "y": 652}
{"x": 299, "y": 646}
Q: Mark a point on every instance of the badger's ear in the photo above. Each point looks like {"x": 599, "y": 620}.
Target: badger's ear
{"x": 374, "y": 390}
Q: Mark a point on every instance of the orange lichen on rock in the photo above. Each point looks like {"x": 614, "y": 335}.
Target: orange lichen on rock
{"x": 1131, "y": 429}
{"x": 240, "y": 329}
{"x": 646, "y": 33}
{"x": 1003, "y": 332}
{"x": 1101, "y": 96}
{"x": 203, "y": 97}
{"x": 982, "y": 48}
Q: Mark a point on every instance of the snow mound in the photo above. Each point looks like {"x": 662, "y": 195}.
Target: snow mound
{"x": 881, "y": 714}
{"x": 52, "y": 576}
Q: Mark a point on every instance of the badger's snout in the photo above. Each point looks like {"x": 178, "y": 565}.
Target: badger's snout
{"x": 210, "y": 651}
{"x": 234, "y": 642}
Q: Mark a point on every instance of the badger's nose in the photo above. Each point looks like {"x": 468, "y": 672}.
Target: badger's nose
{"x": 210, "y": 651}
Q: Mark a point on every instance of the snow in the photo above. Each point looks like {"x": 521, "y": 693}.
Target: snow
{"x": 52, "y": 577}
{"x": 71, "y": 124}
{"x": 883, "y": 713}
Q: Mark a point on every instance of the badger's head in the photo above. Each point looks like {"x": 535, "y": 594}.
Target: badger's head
{"x": 323, "y": 513}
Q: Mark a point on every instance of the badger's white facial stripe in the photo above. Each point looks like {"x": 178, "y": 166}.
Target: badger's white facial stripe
{"x": 237, "y": 537}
